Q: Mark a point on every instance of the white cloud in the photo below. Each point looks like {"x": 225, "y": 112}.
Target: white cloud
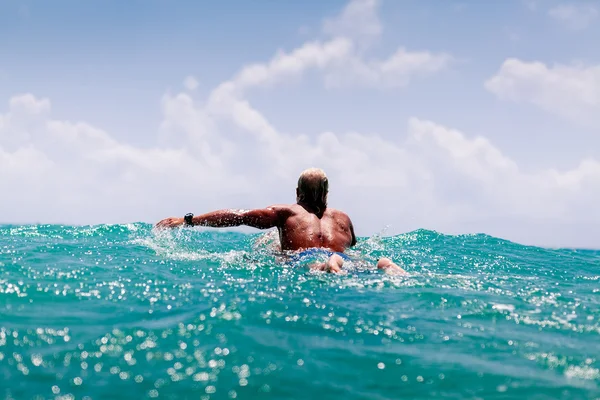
{"x": 28, "y": 104}
{"x": 499, "y": 183}
{"x": 435, "y": 177}
{"x": 284, "y": 66}
{"x": 340, "y": 64}
{"x": 341, "y": 58}
{"x": 574, "y": 16}
{"x": 190, "y": 83}
{"x": 396, "y": 71}
{"x": 62, "y": 171}
{"x": 360, "y": 25}
{"x": 18, "y": 126}
{"x": 569, "y": 91}
{"x": 358, "y": 21}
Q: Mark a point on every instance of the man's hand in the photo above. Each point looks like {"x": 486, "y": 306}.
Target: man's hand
{"x": 171, "y": 222}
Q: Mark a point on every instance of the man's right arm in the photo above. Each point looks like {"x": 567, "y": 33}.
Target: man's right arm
{"x": 260, "y": 218}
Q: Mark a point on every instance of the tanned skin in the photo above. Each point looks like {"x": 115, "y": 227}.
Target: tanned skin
{"x": 299, "y": 226}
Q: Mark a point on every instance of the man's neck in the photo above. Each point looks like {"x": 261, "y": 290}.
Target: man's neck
{"x": 312, "y": 208}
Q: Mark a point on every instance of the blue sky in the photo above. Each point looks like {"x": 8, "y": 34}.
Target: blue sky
{"x": 120, "y": 68}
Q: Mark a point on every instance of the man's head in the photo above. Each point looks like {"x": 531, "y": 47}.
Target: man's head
{"x": 312, "y": 189}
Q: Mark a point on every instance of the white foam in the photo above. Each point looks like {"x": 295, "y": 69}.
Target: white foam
{"x": 504, "y": 307}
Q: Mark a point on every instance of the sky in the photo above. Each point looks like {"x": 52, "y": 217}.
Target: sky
{"x": 454, "y": 116}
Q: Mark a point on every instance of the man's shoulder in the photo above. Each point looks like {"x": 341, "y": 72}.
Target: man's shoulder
{"x": 284, "y": 206}
{"x": 284, "y": 209}
{"x": 335, "y": 213}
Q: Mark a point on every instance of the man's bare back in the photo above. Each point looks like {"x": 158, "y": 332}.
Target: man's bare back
{"x": 307, "y": 224}
{"x": 302, "y": 229}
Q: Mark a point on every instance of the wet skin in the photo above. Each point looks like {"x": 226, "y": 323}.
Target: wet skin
{"x": 299, "y": 226}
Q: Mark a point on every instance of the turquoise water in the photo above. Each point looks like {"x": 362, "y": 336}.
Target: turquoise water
{"x": 122, "y": 312}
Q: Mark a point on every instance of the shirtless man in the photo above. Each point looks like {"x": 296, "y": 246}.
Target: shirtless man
{"x": 305, "y": 226}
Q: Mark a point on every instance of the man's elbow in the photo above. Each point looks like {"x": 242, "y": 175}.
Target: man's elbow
{"x": 263, "y": 225}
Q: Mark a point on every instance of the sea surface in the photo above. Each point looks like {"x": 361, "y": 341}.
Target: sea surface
{"x": 124, "y": 312}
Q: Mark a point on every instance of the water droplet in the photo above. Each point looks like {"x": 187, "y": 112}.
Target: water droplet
{"x": 36, "y": 359}
{"x": 210, "y": 389}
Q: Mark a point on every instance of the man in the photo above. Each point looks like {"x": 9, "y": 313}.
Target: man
{"x": 308, "y": 226}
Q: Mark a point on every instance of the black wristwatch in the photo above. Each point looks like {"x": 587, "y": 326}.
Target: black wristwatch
{"x": 188, "y": 219}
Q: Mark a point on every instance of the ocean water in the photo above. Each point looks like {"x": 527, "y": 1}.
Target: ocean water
{"x": 123, "y": 312}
